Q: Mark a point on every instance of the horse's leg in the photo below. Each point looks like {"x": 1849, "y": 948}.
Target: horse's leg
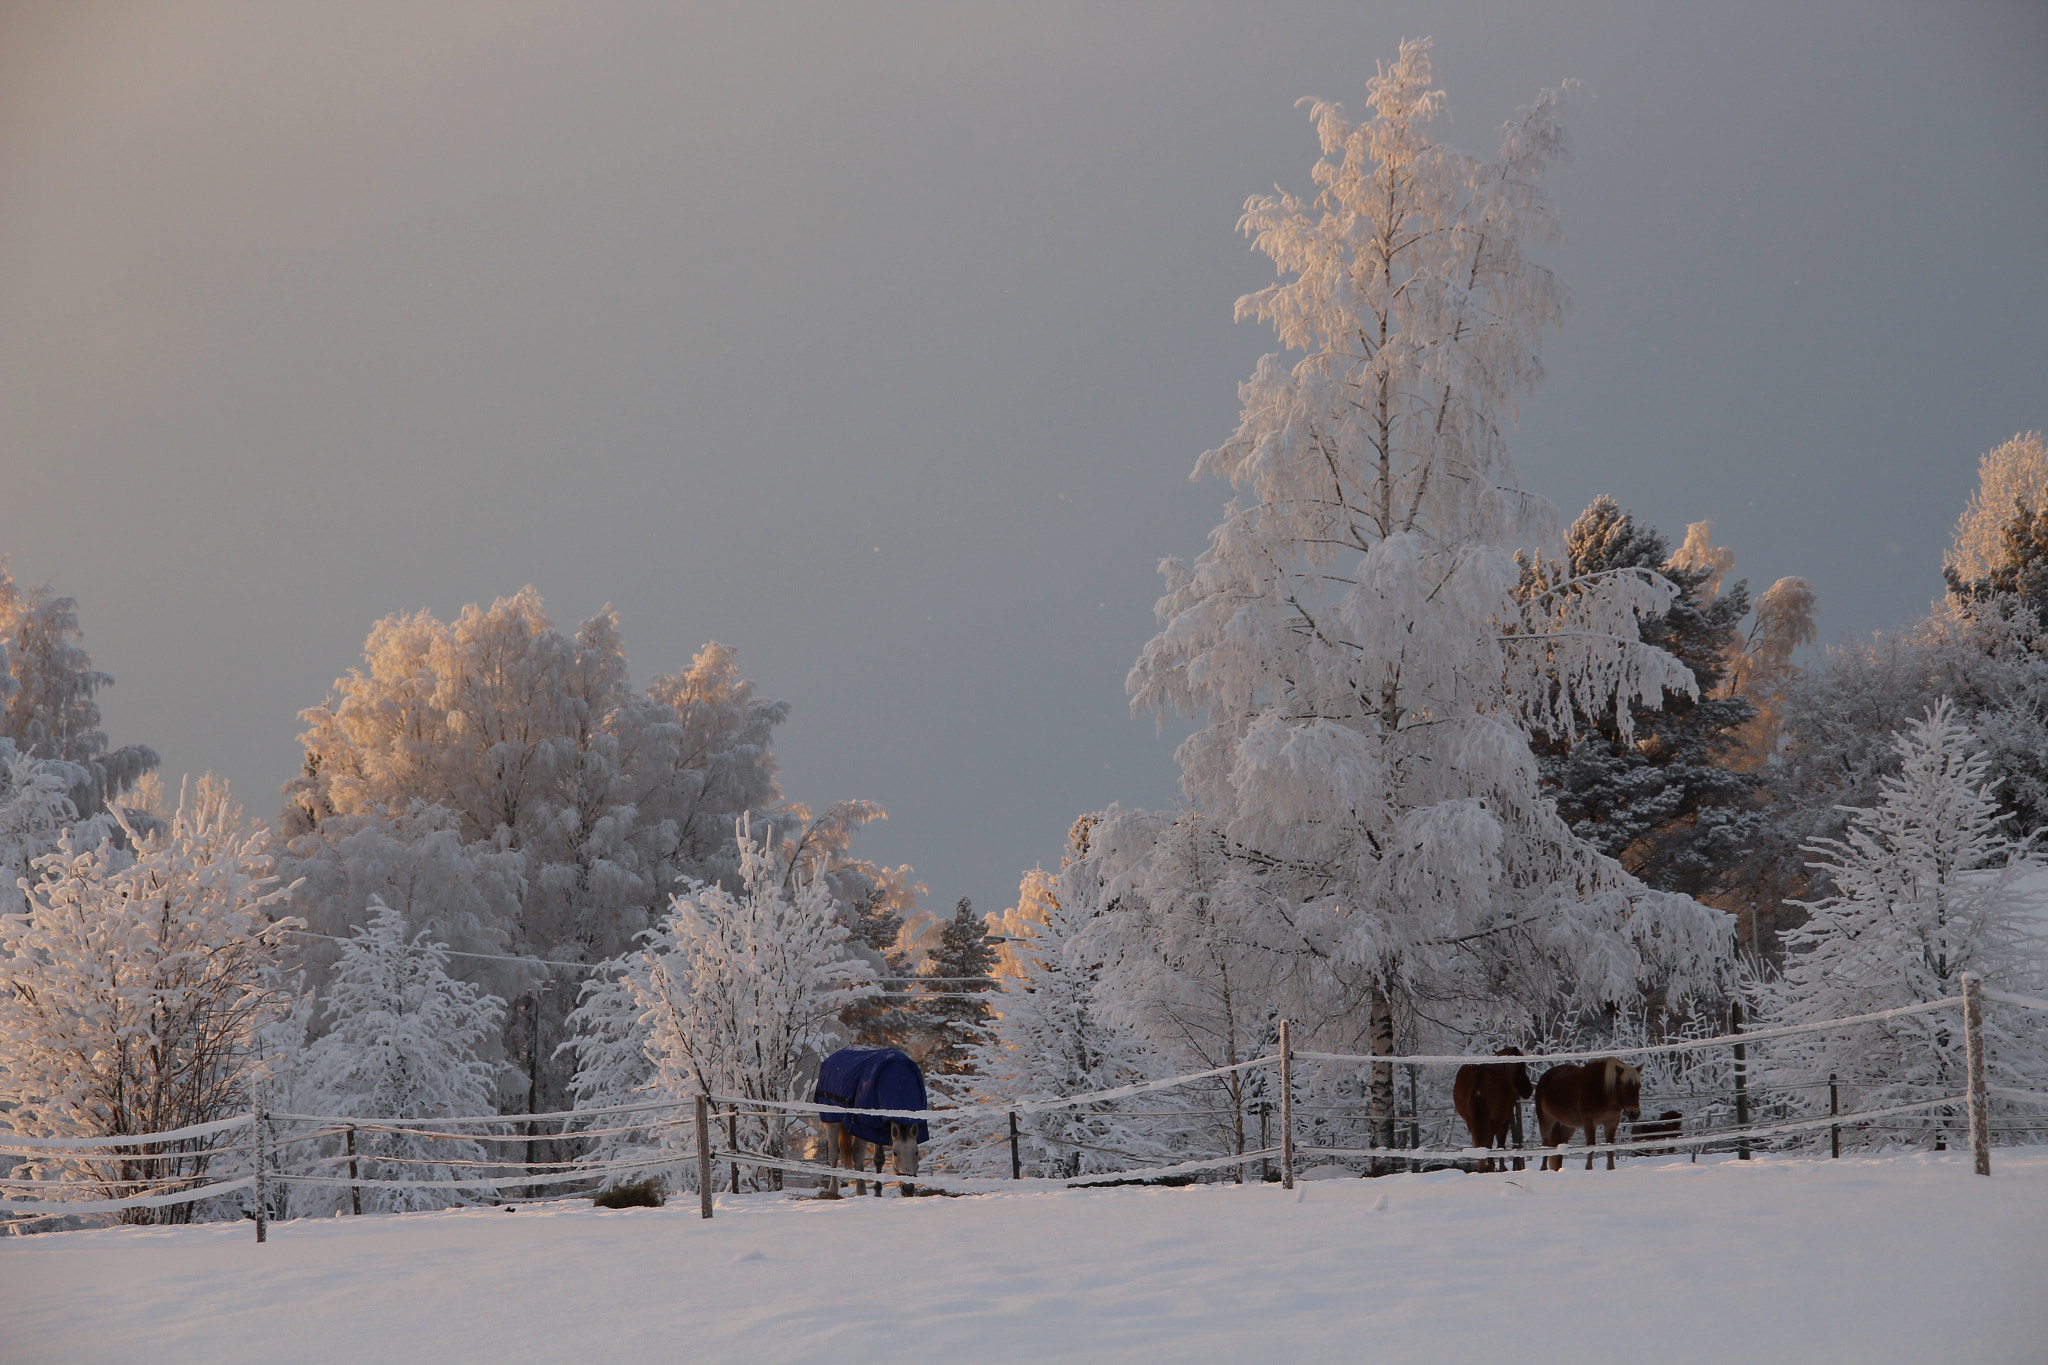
{"x": 1613, "y": 1136}
{"x": 1553, "y": 1134}
{"x": 1592, "y": 1141}
{"x": 831, "y": 1190}
{"x": 881, "y": 1153}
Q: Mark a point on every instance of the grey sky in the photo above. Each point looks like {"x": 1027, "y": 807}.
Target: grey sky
{"x": 878, "y": 342}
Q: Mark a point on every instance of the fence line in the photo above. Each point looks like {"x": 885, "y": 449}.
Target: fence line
{"x": 574, "y": 1171}
{"x": 1635, "y": 1145}
{"x": 127, "y": 1140}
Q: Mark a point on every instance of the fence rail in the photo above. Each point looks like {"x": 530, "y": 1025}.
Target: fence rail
{"x": 697, "y": 1113}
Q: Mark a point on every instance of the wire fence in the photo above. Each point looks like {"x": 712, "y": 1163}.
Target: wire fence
{"x": 258, "y": 1163}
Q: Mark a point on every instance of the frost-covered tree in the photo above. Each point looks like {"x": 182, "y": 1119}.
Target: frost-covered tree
{"x": 1667, "y": 803}
{"x": 1927, "y": 886}
{"x": 738, "y": 991}
{"x": 464, "y": 896}
{"x": 1054, "y": 1038}
{"x": 960, "y": 962}
{"x": 402, "y": 1042}
{"x": 2010, "y": 479}
{"x": 35, "y": 810}
{"x": 1363, "y": 675}
{"x": 1195, "y": 958}
{"x": 48, "y": 691}
{"x": 131, "y": 989}
{"x": 532, "y": 747}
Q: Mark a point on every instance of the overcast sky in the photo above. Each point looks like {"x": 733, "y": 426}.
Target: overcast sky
{"x": 878, "y": 341}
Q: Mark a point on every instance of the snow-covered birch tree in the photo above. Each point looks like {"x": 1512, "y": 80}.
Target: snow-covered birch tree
{"x": 401, "y": 1043}
{"x": 131, "y": 989}
{"x": 1351, "y": 644}
{"x": 1927, "y": 886}
{"x": 739, "y": 993}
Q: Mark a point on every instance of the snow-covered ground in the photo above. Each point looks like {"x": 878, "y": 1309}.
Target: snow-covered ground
{"x": 1863, "y": 1260}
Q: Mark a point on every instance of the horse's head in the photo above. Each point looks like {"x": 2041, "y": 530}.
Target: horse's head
{"x": 1624, "y": 1088}
{"x": 903, "y": 1140}
{"x": 1524, "y": 1087}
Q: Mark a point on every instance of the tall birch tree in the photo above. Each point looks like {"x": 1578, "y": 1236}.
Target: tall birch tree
{"x": 1363, "y": 677}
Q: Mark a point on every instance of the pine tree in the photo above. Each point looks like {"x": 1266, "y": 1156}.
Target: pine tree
{"x": 961, "y": 963}
{"x": 1926, "y": 886}
{"x": 1667, "y": 803}
{"x": 401, "y": 1043}
{"x": 132, "y": 988}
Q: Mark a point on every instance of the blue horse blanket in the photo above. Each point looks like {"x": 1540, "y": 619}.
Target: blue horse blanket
{"x": 870, "y": 1078}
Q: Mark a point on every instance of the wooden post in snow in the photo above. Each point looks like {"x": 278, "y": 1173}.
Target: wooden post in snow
{"x": 1741, "y": 1081}
{"x": 1978, "y": 1101}
{"x": 732, "y": 1142}
{"x": 1286, "y": 1107}
{"x": 355, "y": 1192}
{"x": 1016, "y": 1163}
{"x": 704, "y": 1155}
{"x": 1834, "y": 1111}
{"x": 262, "y": 1188}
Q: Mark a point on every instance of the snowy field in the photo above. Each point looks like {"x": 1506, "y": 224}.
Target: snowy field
{"x": 1857, "y": 1260}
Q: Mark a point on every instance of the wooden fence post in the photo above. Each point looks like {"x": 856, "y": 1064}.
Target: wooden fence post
{"x": 355, "y": 1192}
{"x": 1286, "y": 1107}
{"x": 1973, "y": 1057}
{"x": 704, "y": 1155}
{"x": 732, "y": 1142}
{"x": 262, "y": 1187}
{"x": 1016, "y": 1162}
{"x": 1834, "y": 1111}
{"x": 1741, "y": 1080}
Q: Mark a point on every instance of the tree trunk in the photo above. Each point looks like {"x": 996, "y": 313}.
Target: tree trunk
{"x": 1382, "y": 1077}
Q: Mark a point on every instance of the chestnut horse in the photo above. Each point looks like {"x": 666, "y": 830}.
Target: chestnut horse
{"x": 1599, "y": 1094}
{"x": 1487, "y": 1096}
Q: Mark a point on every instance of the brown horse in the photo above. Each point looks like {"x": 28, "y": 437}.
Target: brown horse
{"x": 1665, "y": 1127}
{"x": 1599, "y": 1094}
{"x": 1487, "y": 1096}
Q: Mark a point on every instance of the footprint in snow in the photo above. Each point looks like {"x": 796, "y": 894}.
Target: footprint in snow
{"x": 749, "y": 1256}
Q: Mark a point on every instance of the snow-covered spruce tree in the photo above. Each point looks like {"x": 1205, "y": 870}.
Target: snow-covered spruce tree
{"x": 47, "y": 697}
{"x": 131, "y": 989}
{"x": 412, "y": 861}
{"x": 1363, "y": 674}
{"x": 1052, "y": 1038}
{"x": 961, "y": 963}
{"x": 1927, "y": 886}
{"x": 1667, "y": 804}
{"x": 742, "y": 991}
{"x": 401, "y": 1043}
